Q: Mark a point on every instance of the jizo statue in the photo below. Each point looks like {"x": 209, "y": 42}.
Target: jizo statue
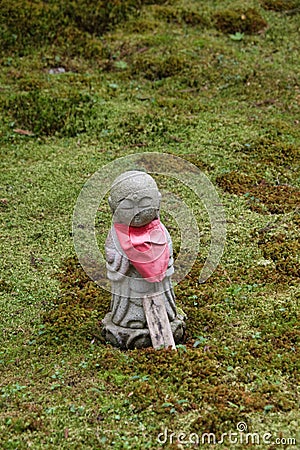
{"x": 139, "y": 260}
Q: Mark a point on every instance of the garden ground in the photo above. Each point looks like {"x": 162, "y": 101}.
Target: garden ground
{"x": 216, "y": 83}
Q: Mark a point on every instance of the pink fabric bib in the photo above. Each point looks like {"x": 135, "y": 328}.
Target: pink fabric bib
{"x": 146, "y": 248}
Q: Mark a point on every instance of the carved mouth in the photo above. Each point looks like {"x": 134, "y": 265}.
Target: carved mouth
{"x": 143, "y": 217}
{"x": 139, "y": 220}
{"x": 136, "y": 219}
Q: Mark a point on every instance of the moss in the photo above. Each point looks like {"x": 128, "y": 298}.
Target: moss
{"x": 279, "y": 243}
{"x": 280, "y": 5}
{"x": 240, "y": 358}
{"x": 200, "y": 376}
{"x": 26, "y": 23}
{"x": 236, "y": 183}
{"x": 272, "y": 152}
{"x": 5, "y": 286}
{"x": 283, "y": 248}
{"x": 270, "y": 157}
{"x": 244, "y": 21}
{"x": 74, "y": 42}
{"x": 179, "y": 15}
{"x": 277, "y": 199}
{"x": 31, "y": 423}
{"x": 69, "y": 319}
{"x": 78, "y": 308}
{"x": 263, "y": 275}
{"x": 156, "y": 67}
{"x": 156, "y": 2}
{"x": 143, "y": 25}
{"x": 196, "y": 159}
{"x": 96, "y": 17}
{"x": 260, "y": 195}
{"x": 41, "y": 113}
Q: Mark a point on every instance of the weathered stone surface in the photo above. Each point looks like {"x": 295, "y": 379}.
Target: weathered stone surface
{"x": 128, "y": 338}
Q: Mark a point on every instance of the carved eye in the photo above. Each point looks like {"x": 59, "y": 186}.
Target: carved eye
{"x": 145, "y": 202}
{"x": 126, "y": 204}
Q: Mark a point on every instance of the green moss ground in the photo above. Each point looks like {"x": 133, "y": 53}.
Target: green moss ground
{"x": 216, "y": 83}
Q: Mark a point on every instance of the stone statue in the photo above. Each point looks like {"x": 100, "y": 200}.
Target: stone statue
{"x": 139, "y": 261}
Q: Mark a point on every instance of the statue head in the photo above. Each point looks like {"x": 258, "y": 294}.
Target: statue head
{"x": 134, "y": 199}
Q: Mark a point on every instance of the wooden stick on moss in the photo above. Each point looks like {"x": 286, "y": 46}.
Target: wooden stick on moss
{"x": 158, "y": 322}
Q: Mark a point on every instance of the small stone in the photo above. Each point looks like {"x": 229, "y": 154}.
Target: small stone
{"x": 56, "y": 70}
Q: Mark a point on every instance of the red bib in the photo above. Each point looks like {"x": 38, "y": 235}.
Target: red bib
{"x": 146, "y": 248}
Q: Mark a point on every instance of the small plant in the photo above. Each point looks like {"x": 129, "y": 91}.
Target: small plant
{"x": 200, "y": 340}
{"x": 237, "y": 36}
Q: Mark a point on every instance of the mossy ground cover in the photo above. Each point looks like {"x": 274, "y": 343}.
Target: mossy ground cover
{"x": 216, "y": 83}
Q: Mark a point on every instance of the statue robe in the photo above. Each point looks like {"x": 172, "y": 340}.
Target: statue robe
{"x": 129, "y": 287}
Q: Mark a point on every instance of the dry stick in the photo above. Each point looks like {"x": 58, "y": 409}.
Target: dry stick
{"x": 158, "y": 322}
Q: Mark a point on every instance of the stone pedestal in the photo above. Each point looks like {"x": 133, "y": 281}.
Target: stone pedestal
{"x": 128, "y": 338}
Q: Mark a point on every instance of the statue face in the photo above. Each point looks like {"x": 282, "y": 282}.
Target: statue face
{"x": 138, "y": 209}
{"x": 134, "y": 199}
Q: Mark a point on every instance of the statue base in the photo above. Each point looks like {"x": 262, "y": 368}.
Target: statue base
{"x": 130, "y": 338}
